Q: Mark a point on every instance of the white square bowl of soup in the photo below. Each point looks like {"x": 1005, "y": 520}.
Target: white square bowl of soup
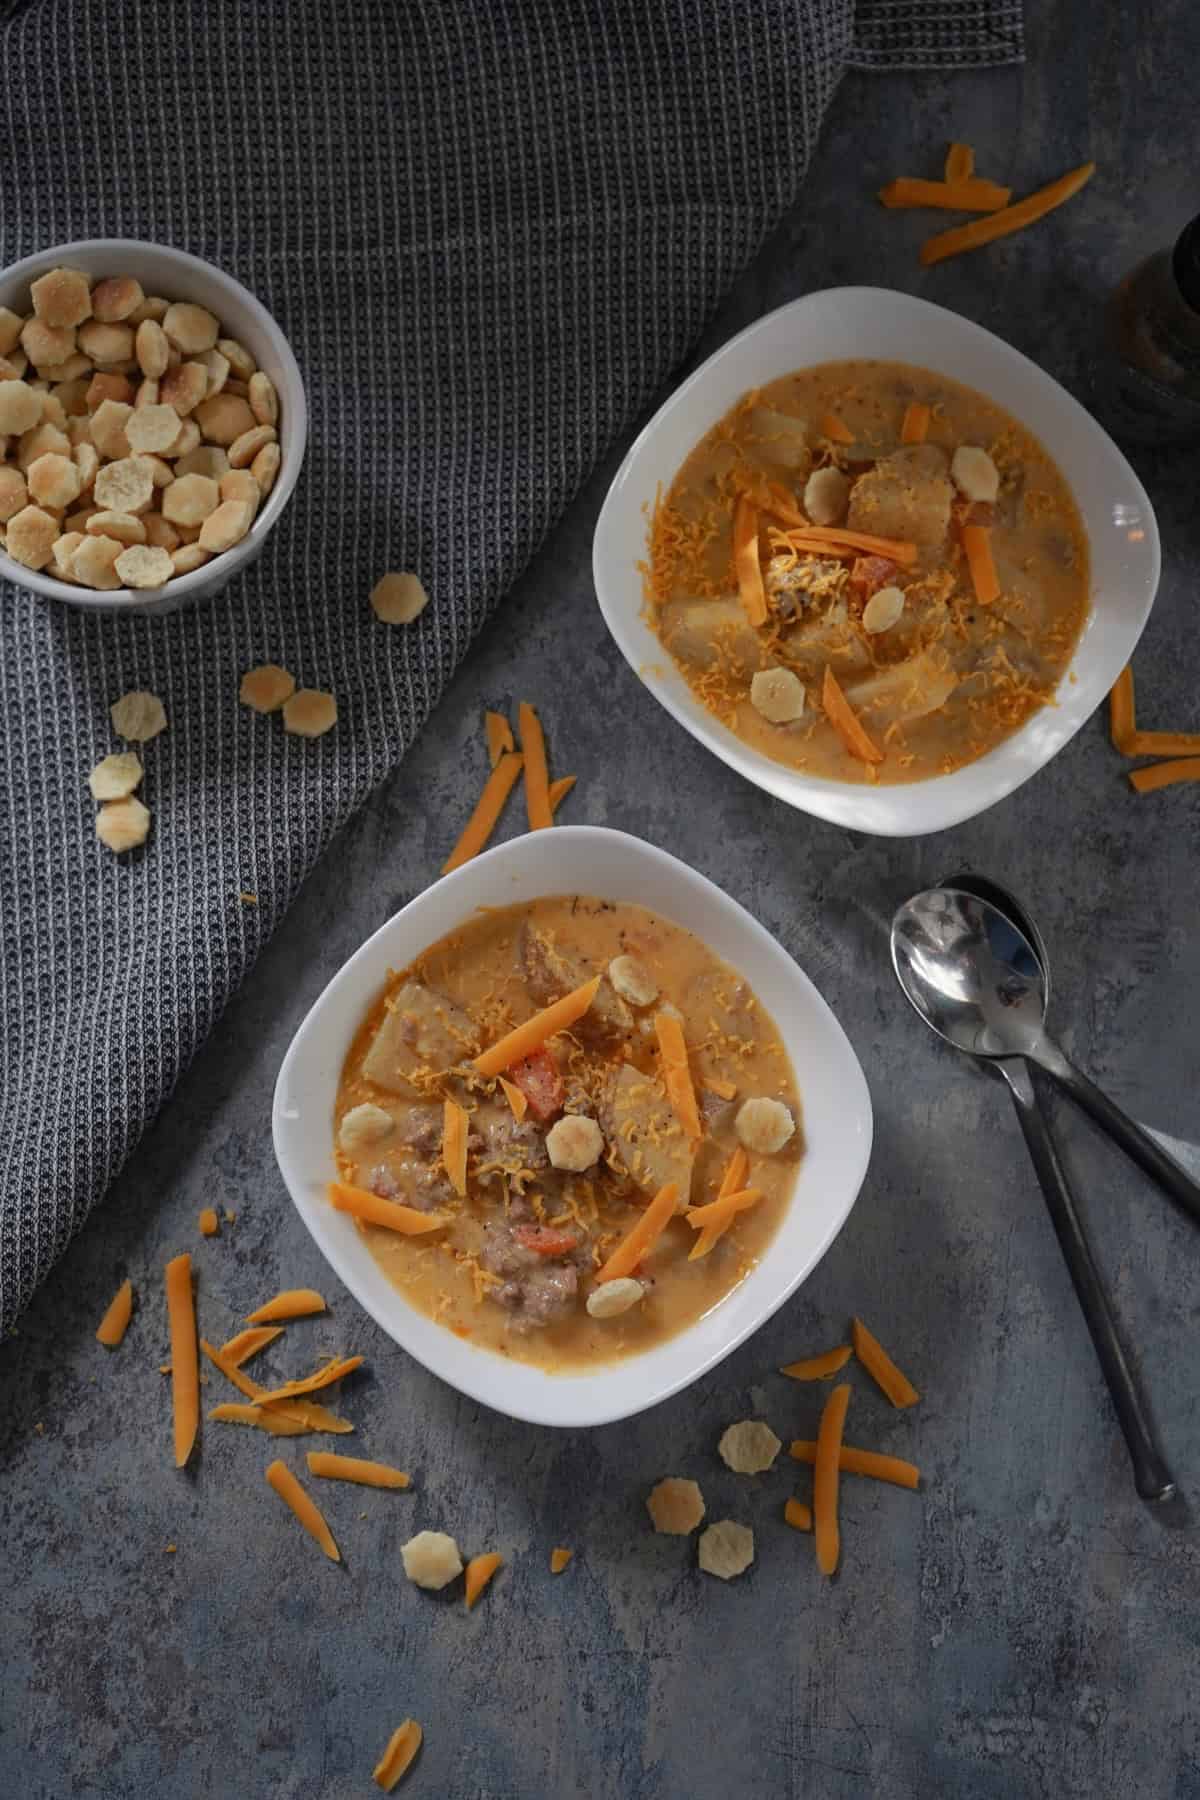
{"x": 877, "y": 561}
{"x": 504, "y": 1119}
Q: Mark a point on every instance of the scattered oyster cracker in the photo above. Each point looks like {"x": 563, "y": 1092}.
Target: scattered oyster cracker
{"x": 431, "y": 1559}
{"x": 398, "y": 598}
{"x": 749, "y": 1447}
{"x": 266, "y": 687}
{"x": 138, "y": 716}
{"x": 115, "y": 777}
{"x": 726, "y": 1549}
{"x": 123, "y": 824}
{"x": 310, "y": 713}
{"x": 764, "y": 1125}
{"x": 676, "y": 1506}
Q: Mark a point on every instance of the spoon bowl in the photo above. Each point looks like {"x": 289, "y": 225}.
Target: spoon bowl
{"x": 968, "y": 969}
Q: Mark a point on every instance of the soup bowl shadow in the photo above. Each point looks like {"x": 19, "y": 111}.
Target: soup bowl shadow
{"x": 836, "y": 325}
{"x": 833, "y": 1091}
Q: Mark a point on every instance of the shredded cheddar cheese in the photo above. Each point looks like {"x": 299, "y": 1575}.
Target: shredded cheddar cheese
{"x": 402, "y": 1747}
{"x": 284, "y": 1483}
{"x": 115, "y": 1323}
{"x": 185, "y": 1370}
{"x": 293, "y": 1303}
{"x": 357, "y": 1469}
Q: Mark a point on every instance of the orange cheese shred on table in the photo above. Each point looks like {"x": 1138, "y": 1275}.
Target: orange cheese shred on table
{"x": 526, "y": 1038}
{"x": 1010, "y": 218}
{"x": 559, "y": 1558}
{"x": 798, "y": 1515}
{"x": 880, "y": 1367}
{"x": 483, "y": 821}
{"x": 676, "y": 1074}
{"x": 970, "y": 194}
{"x": 284, "y": 1483}
{"x": 1165, "y": 774}
{"x": 362, "y": 1204}
{"x": 356, "y": 1468}
{"x": 454, "y": 1146}
{"x": 208, "y": 1222}
{"x": 292, "y": 1303}
{"x": 1121, "y": 715}
{"x": 499, "y": 736}
{"x": 231, "y": 1371}
{"x": 960, "y": 163}
{"x": 115, "y": 1323}
{"x": 641, "y": 1238}
{"x": 276, "y": 1421}
{"x": 846, "y": 722}
{"x": 245, "y": 1344}
{"x": 537, "y": 774}
{"x": 825, "y": 1479}
{"x": 746, "y": 561}
{"x": 185, "y": 1361}
{"x": 862, "y": 1462}
{"x": 325, "y": 1376}
{"x": 304, "y": 1415}
{"x": 402, "y": 1747}
{"x": 560, "y": 789}
{"x": 818, "y": 1368}
{"x": 480, "y": 1570}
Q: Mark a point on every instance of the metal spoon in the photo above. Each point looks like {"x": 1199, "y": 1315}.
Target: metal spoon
{"x": 1151, "y": 1475}
{"x": 975, "y": 978}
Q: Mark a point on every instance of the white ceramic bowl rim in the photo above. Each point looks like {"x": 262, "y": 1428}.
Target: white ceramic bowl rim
{"x": 181, "y": 588}
{"x": 837, "y": 1119}
{"x": 832, "y": 325}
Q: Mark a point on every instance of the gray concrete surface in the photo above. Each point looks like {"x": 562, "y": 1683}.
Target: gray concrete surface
{"x": 1021, "y": 1627}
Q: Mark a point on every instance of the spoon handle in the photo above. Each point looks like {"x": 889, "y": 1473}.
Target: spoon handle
{"x": 1151, "y": 1475}
{"x": 1135, "y": 1142}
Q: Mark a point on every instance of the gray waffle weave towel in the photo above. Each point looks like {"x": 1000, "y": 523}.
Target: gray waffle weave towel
{"x": 490, "y": 229}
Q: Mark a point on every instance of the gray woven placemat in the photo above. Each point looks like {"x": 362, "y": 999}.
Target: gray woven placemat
{"x": 490, "y": 229}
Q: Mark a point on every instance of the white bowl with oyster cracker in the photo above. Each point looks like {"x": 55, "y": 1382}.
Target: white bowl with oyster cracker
{"x": 178, "y": 277}
{"x": 833, "y": 1092}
